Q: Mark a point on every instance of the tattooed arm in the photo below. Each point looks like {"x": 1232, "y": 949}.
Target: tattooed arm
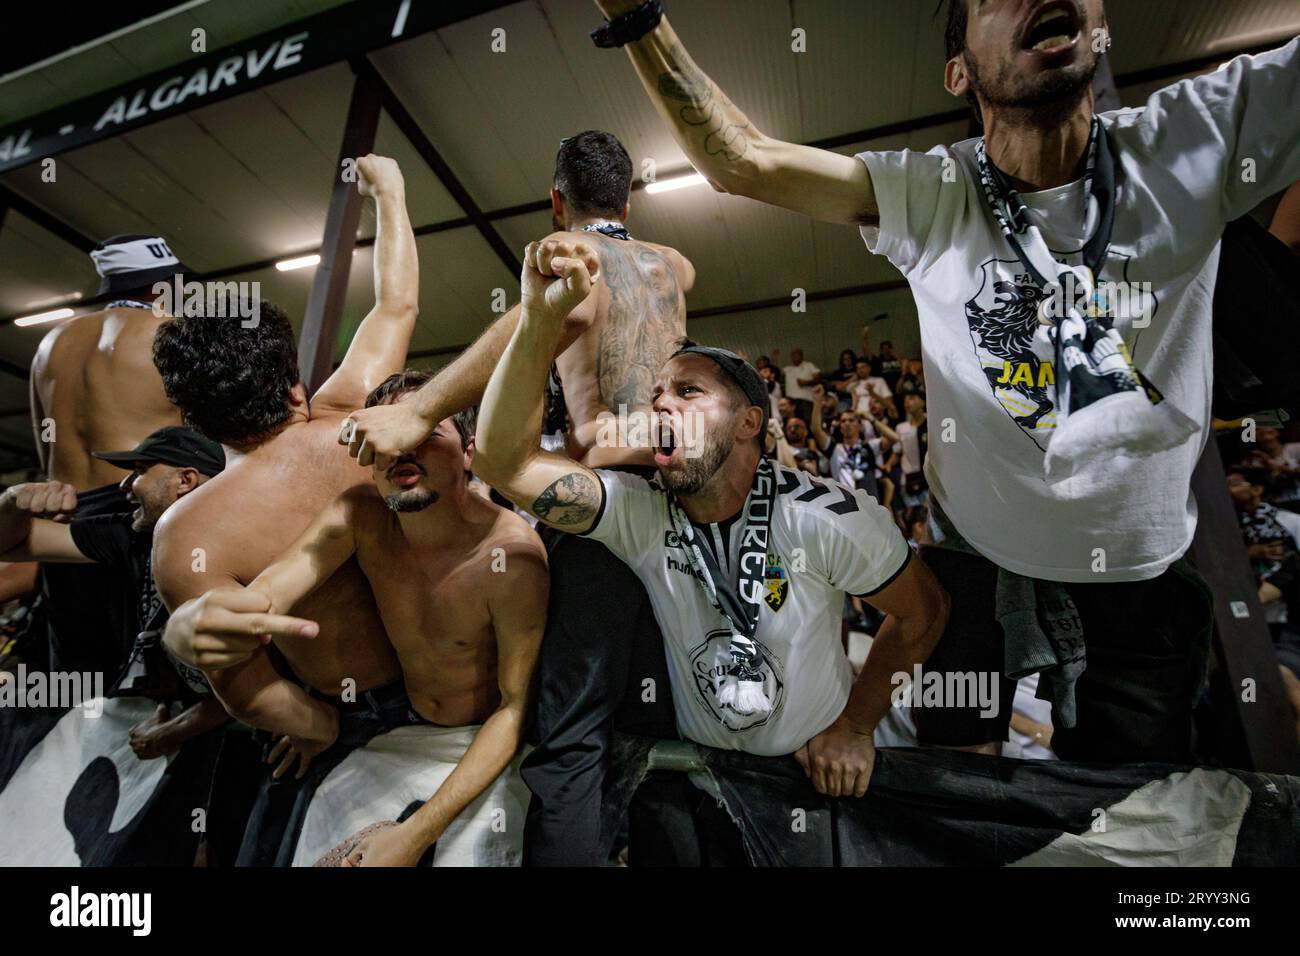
{"x": 731, "y": 152}
{"x": 556, "y": 278}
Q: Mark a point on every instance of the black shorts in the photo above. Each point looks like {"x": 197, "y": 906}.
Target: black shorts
{"x": 1148, "y": 645}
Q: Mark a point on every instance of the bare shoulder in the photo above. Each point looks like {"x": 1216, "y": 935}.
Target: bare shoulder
{"x": 194, "y": 540}
{"x": 516, "y": 536}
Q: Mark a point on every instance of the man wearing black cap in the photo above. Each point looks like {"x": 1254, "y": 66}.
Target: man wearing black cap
{"x": 746, "y": 563}
{"x": 37, "y": 523}
{"x": 94, "y": 386}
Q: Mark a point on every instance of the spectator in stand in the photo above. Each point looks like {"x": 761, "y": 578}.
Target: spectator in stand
{"x": 768, "y": 374}
{"x": 866, "y": 384}
{"x": 916, "y": 526}
{"x": 1272, "y": 538}
{"x": 913, "y": 378}
{"x": 806, "y": 454}
{"x": 841, "y": 381}
{"x": 828, "y": 403}
{"x": 888, "y": 365}
{"x": 855, "y": 449}
{"x": 883, "y": 410}
{"x": 784, "y": 410}
{"x": 1282, "y": 462}
{"x": 800, "y": 376}
{"x": 913, "y": 439}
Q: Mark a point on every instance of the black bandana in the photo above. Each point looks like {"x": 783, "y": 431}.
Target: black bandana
{"x": 738, "y": 603}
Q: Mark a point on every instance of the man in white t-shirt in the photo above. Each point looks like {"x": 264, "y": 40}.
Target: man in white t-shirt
{"x": 800, "y": 377}
{"x": 868, "y": 385}
{"x": 746, "y": 562}
{"x": 1200, "y": 153}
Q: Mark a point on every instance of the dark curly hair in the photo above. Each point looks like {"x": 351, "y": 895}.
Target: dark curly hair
{"x": 230, "y": 382}
{"x": 399, "y": 383}
{"x": 593, "y": 173}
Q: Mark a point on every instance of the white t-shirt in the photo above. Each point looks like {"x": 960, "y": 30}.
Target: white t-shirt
{"x": 824, "y": 540}
{"x": 909, "y": 441}
{"x": 864, "y": 389}
{"x": 1182, "y": 159}
{"x": 805, "y": 370}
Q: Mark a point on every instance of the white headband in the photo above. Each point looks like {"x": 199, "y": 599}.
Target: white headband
{"x": 134, "y": 256}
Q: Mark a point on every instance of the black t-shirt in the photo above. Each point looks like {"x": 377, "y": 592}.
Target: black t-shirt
{"x": 889, "y": 369}
{"x": 109, "y": 540}
{"x": 89, "y": 608}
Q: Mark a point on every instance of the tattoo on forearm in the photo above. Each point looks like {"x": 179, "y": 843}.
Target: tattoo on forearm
{"x": 570, "y": 500}
{"x": 706, "y": 107}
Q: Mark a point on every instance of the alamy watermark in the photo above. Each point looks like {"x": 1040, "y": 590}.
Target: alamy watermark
{"x": 84, "y": 689}
{"x": 946, "y": 689}
{"x": 213, "y": 300}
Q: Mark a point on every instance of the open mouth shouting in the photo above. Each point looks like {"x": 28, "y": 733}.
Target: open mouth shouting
{"x": 405, "y": 474}
{"x": 667, "y": 447}
{"x": 1052, "y": 30}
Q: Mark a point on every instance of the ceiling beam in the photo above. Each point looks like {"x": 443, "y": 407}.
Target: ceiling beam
{"x": 46, "y": 220}
{"x": 438, "y": 166}
{"x": 329, "y": 288}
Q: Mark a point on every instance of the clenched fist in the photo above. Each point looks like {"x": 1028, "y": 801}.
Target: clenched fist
{"x": 378, "y": 434}
{"x": 378, "y": 174}
{"x": 45, "y": 499}
{"x": 557, "y": 275}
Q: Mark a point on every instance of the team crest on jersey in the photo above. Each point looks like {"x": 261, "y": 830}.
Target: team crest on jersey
{"x": 1003, "y": 317}
{"x": 777, "y": 583}
{"x": 709, "y": 664}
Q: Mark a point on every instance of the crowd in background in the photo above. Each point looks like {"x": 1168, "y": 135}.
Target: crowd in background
{"x": 1263, "y": 474}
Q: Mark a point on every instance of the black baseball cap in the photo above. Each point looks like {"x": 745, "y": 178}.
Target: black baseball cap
{"x": 740, "y": 372}
{"x": 172, "y": 445}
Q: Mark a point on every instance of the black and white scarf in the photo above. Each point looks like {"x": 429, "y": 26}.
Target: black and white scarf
{"x": 615, "y": 230}
{"x": 741, "y": 687}
{"x": 1093, "y": 367}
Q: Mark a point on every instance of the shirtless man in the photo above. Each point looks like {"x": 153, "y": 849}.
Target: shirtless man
{"x": 94, "y": 375}
{"x": 93, "y": 379}
{"x": 240, "y": 386}
{"x": 613, "y": 344}
{"x": 461, "y": 586}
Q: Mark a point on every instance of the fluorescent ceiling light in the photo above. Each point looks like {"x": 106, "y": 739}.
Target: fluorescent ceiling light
{"x": 695, "y": 179}
{"x": 301, "y": 262}
{"x": 40, "y": 318}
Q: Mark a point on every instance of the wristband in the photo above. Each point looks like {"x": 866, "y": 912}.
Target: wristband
{"x": 629, "y": 27}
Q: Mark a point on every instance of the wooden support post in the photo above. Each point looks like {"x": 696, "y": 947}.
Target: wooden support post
{"x": 324, "y": 317}
{"x": 1241, "y": 637}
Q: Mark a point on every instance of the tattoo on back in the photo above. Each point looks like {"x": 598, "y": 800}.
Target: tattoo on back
{"x": 705, "y": 107}
{"x": 645, "y": 320}
{"x": 568, "y": 501}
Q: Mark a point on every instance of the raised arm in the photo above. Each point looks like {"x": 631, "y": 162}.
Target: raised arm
{"x": 731, "y": 152}
{"x": 517, "y": 603}
{"x": 819, "y": 435}
{"x": 556, "y": 277}
{"x": 379, "y": 347}
{"x": 379, "y": 434}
